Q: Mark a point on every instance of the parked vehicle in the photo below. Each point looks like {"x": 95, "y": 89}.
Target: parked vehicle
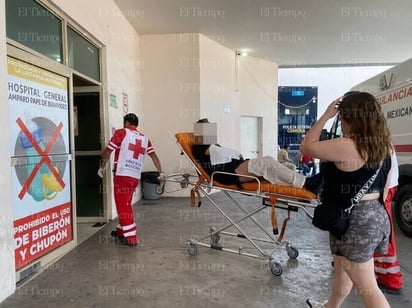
{"x": 393, "y": 89}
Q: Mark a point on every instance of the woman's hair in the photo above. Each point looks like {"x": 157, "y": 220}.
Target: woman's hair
{"x": 368, "y": 127}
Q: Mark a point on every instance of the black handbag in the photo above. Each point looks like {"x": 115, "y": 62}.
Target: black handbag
{"x": 330, "y": 217}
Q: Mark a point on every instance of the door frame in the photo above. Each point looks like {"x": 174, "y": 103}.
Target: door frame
{"x": 106, "y": 210}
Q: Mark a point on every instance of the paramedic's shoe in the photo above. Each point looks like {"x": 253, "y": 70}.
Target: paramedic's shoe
{"x": 314, "y": 183}
{"x": 127, "y": 241}
{"x": 115, "y": 235}
{"x": 314, "y": 304}
{"x": 389, "y": 290}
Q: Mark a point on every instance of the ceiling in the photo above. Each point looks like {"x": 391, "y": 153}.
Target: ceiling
{"x": 292, "y": 33}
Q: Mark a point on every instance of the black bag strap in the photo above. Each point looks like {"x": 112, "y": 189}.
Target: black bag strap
{"x": 355, "y": 200}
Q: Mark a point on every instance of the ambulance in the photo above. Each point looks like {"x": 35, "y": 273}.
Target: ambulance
{"x": 393, "y": 89}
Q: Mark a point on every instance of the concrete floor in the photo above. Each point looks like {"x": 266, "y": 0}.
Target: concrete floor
{"x": 160, "y": 273}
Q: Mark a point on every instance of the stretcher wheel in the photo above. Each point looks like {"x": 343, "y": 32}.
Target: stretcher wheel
{"x": 275, "y": 268}
{"x": 185, "y": 182}
{"x": 160, "y": 189}
{"x": 215, "y": 238}
{"x": 192, "y": 249}
{"x": 293, "y": 253}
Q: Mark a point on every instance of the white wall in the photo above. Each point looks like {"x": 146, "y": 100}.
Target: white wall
{"x": 218, "y": 89}
{"x": 8, "y": 275}
{"x": 188, "y": 76}
{"x": 331, "y": 82}
{"x": 245, "y": 85}
{"x": 170, "y": 83}
{"x": 258, "y": 97}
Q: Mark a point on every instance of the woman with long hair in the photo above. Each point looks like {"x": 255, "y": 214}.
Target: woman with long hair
{"x": 349, "y": 161}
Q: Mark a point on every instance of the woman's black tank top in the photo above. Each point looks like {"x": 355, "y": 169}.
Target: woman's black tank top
{"x": 340, "y": 186}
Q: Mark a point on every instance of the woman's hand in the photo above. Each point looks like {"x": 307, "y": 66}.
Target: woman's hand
{"x": 332, "y": 109}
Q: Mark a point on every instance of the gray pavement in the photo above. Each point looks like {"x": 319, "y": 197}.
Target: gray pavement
{"x": 161, "y": 273}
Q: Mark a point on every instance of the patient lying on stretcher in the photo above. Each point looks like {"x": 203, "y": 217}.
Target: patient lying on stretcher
{"x": 216, "y": 158}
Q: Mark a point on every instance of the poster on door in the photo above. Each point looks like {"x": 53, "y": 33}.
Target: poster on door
{"x": 40, "y": 152}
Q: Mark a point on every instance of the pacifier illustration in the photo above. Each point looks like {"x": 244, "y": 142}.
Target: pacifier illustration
{"x": 50, "y": 185}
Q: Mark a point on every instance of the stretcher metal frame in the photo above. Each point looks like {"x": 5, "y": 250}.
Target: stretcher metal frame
{"x": 283, "y": 197}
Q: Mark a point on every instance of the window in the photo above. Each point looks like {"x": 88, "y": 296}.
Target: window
{"x": 32, "y": 25}
{"x": 83, "y": 55}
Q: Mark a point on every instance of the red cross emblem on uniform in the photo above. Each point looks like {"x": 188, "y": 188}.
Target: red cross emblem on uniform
{"x": 136, "y": 148}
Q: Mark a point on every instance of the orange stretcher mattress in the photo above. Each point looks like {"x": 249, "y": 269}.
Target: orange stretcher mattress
{"x": 186, "y": 140}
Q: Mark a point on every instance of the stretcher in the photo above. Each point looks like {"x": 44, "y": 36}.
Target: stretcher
{"x": 275, "y": 196}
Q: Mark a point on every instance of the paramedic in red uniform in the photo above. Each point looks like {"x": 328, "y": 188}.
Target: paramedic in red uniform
{"x": 387, "y": 268}
{"x": 130, "y": 149}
